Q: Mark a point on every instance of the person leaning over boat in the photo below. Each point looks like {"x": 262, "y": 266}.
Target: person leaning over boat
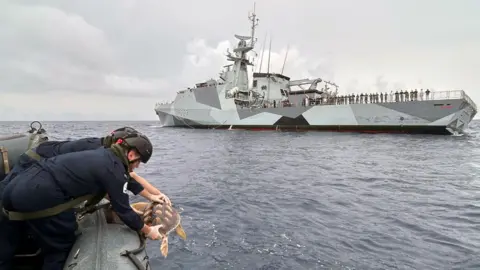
{"x": 54, "y": 148}
{"x": 55, "y": 181}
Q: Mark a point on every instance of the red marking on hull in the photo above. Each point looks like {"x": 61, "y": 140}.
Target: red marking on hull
{"x": 315, "y": 130}
{"x": 323, "y": 130}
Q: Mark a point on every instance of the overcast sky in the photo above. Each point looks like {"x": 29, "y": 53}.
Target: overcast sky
{"x": 113, "y": 60}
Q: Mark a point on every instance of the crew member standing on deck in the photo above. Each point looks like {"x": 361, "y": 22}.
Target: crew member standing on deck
{"x": 57, "y": 180}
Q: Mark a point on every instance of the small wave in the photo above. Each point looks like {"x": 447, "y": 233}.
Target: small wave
{"x": 345, "y": 201}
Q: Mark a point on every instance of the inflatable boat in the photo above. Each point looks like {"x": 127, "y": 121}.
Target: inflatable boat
{"x": 102, "y": 242}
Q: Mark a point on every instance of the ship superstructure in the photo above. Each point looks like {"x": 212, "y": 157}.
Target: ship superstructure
{"x": 272, "y": 102}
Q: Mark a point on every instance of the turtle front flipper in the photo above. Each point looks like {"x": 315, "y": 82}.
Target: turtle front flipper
{"x": 179, "y": 230}
{"x": 139, "y": 207}
{"x": 164, "y": 246}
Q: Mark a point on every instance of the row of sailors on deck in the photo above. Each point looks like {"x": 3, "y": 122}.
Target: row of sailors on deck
{"x": 396, "y": 96}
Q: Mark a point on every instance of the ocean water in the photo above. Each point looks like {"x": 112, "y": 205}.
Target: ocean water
{"x": 285, "y": 200}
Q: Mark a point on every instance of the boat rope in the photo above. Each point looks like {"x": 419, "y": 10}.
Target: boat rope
{"x": 148, "y": 218}
{"x": 131, "y": 254}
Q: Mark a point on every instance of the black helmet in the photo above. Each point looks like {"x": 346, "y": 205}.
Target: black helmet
{"x": 139, "y": 142}
{"x": 122, "y": 132}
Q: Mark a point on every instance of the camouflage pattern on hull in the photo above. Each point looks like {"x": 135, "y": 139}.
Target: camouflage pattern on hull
{"x": 275, "y": 101}
{"x": 445, "y": 116}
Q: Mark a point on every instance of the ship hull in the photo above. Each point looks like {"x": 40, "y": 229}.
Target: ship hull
{"x": 414, "y": 129}
{"x": 416, "y": 117}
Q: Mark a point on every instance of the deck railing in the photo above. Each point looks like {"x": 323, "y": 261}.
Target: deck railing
{"x": 469, "y": 100}
{"x": 452, "y": 94}
{"x": 163, "y": 103}
{"x": 433, "y": 95}
{"x": 388, "y": 98}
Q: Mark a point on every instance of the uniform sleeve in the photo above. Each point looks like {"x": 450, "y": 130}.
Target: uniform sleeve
{"x": 115, "y": 182}
{"x": 47, "y": 149}
{"x": 78, "y": 145}
{"x": 55, "y": 148}
{"x": 134, "y": 186}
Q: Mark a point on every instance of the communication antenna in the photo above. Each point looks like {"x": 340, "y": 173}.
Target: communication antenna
{"x": 263, "y": 50}
{"x": 268, "y": 69}
{"x": 285, "y": 60}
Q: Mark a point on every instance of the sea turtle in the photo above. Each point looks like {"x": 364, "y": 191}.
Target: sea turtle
{"x": 164, "y": 215}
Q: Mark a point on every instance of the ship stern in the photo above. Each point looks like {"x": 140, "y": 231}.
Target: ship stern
{"x": 460, "y": 120}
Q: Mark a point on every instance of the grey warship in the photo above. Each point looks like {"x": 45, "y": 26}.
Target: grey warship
{"x": 273, "y": 103}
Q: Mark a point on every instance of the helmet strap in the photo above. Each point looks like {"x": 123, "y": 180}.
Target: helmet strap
{"x": 128, "y": 148}
{"x": 134, "y": 160}
{"x": 107, "y": 141}
{"x": 120, "y": 152}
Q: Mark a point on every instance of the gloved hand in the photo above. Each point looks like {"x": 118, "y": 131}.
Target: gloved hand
{"x": 161, "y": 198}
{"x": 154, "y": 234}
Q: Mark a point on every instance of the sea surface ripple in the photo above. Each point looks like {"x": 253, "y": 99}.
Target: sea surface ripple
{"x": 285, "y": 200}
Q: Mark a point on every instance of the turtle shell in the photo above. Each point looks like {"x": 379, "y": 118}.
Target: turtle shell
{"x": 158, "y": 214}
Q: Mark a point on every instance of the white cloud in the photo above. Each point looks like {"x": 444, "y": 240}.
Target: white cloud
{"x": 135, "y": 86}
{"x": 202, "y": 62}
{"x": 57, "y": 51}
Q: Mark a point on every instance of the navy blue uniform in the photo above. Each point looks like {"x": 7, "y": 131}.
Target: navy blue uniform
{"x": 54, "y": 148}
{"x": 54, "y": 181}
{"x": 50, "y": 149}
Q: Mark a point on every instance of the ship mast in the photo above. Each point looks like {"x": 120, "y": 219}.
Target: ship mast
{"x": 239, "y": 58}
{"x": 239, "y": 88}
{"x": 253, "y": 18}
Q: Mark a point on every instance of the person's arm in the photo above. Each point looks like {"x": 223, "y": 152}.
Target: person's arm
{"x": 114, "y": 181}
{"x": 147, "y": 230}
{"x": 148, "y": 191}
{"x": 142, "y": 181}
{"x": 135, "y": 187}
{"x": 147, "y": 195}
{"x": 54, "y": 148}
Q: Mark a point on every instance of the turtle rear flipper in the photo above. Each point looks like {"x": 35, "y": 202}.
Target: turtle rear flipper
{"x": 164, "y": 246}
{"x": 179, "y": 230}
